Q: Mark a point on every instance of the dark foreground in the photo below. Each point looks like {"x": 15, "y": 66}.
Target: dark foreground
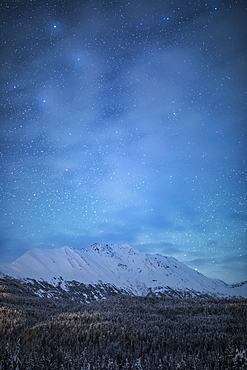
{"x": 121, "y": 332}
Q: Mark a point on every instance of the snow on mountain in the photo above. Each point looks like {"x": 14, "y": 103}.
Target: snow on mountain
{"x": 120, "y": 266}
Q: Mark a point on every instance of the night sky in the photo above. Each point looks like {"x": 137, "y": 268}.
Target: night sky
{"x": 124, "y": 122}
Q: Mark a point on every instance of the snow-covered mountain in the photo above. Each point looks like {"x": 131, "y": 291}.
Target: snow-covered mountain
{"x": 120, "y": 267}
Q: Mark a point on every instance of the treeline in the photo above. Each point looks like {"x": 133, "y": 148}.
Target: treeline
{"x": 121, "y": 332}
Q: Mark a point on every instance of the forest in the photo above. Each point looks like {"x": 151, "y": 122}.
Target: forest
{"x": 120, "y": 332}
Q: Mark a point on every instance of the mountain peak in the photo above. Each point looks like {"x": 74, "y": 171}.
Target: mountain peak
{"x": 102, "y": 249}
{"x": 98, "y": 247}
{"x": 113, "y": 250}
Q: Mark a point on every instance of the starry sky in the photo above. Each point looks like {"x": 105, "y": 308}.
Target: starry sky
{"x": 124, "y": 122}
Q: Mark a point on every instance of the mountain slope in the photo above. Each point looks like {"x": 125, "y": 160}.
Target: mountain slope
{"x": 120, "y": 266}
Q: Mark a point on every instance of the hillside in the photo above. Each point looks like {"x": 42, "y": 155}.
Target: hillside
{"x": 120, "y": 268}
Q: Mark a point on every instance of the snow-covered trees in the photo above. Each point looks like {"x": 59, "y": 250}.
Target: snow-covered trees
{"x": 121, "y": 332}
{"x": 239, "y": 361}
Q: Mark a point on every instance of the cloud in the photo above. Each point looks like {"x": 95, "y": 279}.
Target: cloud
{"x": 204, "y": 227}
{"x": 61, "y": 240}
{"x": 163, "y": 248}
{"x": 231, "y": 269}
{"x": 115, "y": 234}
{"x": 11, "y": 248}
{"x": 238, "y": 216}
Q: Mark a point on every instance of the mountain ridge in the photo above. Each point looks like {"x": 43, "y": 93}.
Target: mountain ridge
{"x": 120, "y": 267}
